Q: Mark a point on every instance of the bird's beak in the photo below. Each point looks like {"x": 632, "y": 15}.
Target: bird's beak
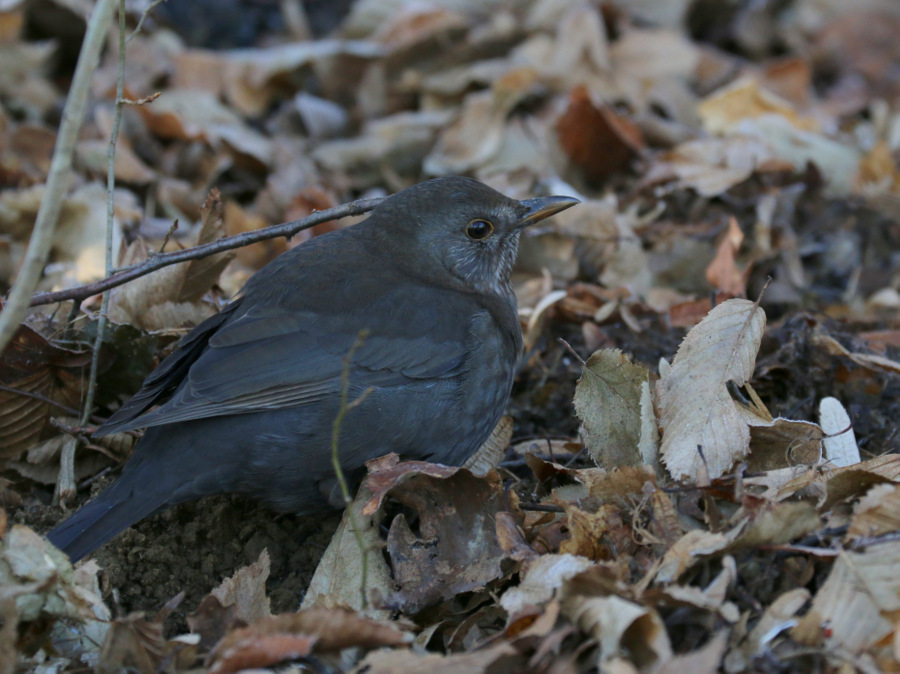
{"x": 544, "y": 207}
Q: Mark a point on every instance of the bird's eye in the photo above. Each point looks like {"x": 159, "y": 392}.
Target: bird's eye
{"x": 479, "y": 229}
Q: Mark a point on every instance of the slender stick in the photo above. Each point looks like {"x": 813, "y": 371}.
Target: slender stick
{"x": 65, "y": 485}
{"x": 58, "y": 177}
{"x": 286, "y": 229}
{"x": 336, "y": 462}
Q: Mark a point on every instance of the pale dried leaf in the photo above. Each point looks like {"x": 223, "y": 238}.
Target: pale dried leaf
{"x": 542, "y": 580}
{"x": 620, "y": 626}
{"x": 471, "y": 140}
{"x": 877, "y": 513}
{"x": 47, "y": 584}
{"x": 744, "y": 99}
{"x": 246, "y": 590}
{"x": 779, "y": 616}
{"x": 501, "y": 657}
{"x": 857, "y": 604}
{"x": 774, "y": 524}
{"x": 338, "y": 577}
{"x": 648, "y": 444}
{"x": 838, "y": 162}
{"x": 696, "y": 408}
{"x": 840, "y": 441}
{"x": 686, "y": 551}
{"x": 712, "y": 166}
{"x": 705, "y": 660}
{"x": 782, "y": 483}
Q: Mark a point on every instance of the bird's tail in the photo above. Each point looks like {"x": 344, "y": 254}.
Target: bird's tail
{"x": 110, "y": 513}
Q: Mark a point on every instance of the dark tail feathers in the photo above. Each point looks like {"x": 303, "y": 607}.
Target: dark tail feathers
{"x": 113, "y": 511}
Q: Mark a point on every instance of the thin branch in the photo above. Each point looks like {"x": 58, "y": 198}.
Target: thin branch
{"x": 286, "y": 229}
{"x": 144, "y": 15}
{"x": 66, "y": 491}
{"x": 58, "y": 177}
{"x": 37, "y": 396}
{"x": 110, "y": 211}
{"x": 336, "y": 461}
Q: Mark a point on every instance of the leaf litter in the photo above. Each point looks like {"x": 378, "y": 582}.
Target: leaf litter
{"x": 735, "y": 510}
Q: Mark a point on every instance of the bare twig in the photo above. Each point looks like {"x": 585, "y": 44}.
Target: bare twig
{"x": 42, "y": 398}
{"x": 57, "y": 178}
{"x": 67, "y": 490}
{"x": 286, "y": 229}
{"x": 336, "y": 461}
{"x": 162, "y": 246}
{"x": 144, "y": 15}
{"x": 65, "y": 483}
{"x": 141, "y": 101}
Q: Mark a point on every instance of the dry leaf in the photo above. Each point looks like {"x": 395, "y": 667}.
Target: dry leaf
{"x": 877, "y": 513}
{"x": 454, "y": 548}
{"x": 712, "y": 166}
{"x": 744, "y": 99}
{"x": 723, "y": 273}
{"x": 621, "y": 626}
{"x": 541, "y": 581}
{"x": 170, "y": 297}
{"x": 784, "y": 443}
{"x": 840, "y": 442}
{"x": 778, "y": 617}
{"x": 608, "y": 402}
{"x": 294, "y": 635}
{"x": 857, "y": 605}
{"x": 598, "y": 141}
{"x": 338, "y": 578}
{"x": 697, "y": 411}
{"x": 500, "y": 658}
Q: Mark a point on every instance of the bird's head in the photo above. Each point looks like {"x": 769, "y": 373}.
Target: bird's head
{"x": 464, "y": 227}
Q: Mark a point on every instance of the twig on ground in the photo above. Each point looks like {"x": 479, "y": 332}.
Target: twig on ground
{"x": 37, "y": 396}
{"x": 58, "y": 177}
{"x": 110, "y": 218}
{"x": 286, "y": 229}
{"x": 336, "y": 461}
{"x": 144, "y": 15}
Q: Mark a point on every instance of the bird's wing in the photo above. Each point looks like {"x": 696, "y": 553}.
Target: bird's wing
{"x": 163, "y": 381}
{"x": 271, "y": 357}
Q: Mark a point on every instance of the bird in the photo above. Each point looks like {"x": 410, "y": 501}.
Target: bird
{"x": 409, "y": 316}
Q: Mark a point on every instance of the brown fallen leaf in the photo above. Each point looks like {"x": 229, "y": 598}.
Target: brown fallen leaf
{"x": 294, "y": 635}
{"x": 620, "y": 626}
{"x": 723, "y": 272}
{"x": 134, "y": 642}
{"x": 598, "y": 141}
{"x": 34, "y": 365}
{"x": 454, "y": 548}
{"x": 784, "y": 443}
